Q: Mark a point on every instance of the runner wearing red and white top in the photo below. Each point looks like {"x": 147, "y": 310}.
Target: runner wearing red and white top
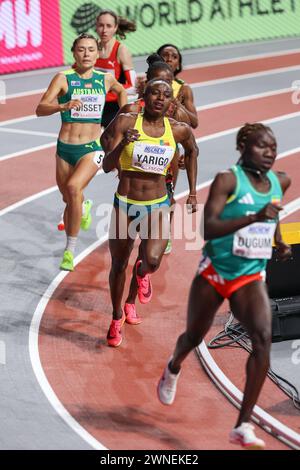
{"x": 114, "y": 57}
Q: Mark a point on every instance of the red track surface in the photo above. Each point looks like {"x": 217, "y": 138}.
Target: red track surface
{"x": 24, "y": 176}
{"x": 112, "y": 392}
{"x": 16, "y": 187}
{"x": 24, "y": 106}
{"x": 242, "y": 67}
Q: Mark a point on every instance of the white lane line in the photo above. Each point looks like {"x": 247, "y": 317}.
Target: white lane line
{"x": 198, "y": 66}
{"x": 199, "y": 108}
{"x": 235, "y": 396}
{"x": 247, "y": 58}
{"x": 233, "y": 100}
{"x": 245, "y": 76}
{"x": 18, "y": 204}
{"x": 28, "y": 199}
{"x": 243, "y": 45}
{"x": 22, "y": 131}
{"x": 201, "y": 65}
{"x": 22, "y": 94}
{"x": 192, "y": 84}
{"x": 52, "y": 70}
{"x": 36, "y": 361}
{"x": 17, "y": 120}
{"x": 255, "y": 96}
{"x": 21, "y": 203}
{"x": 45, "y": 192}
{"x": 29, "y": 150}
{"x": 30, "y": 73}
{"x": 289, "y": 209}
{"x": 288, "y": 153}
{"x": 216, "y": 135}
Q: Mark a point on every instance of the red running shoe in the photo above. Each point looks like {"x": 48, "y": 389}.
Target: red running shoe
{"x": 131, "y": 316}
{"x": 114, "y": 335}
{"x": 144, "y": 286}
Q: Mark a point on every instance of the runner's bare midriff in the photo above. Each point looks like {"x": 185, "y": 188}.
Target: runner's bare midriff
{"x": 79, "y": 133}
{"x": 142, "y": 186}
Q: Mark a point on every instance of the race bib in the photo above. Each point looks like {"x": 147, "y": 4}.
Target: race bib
{"x": 254, "y": 241}
{"x": 92, "y": 106}
{"x": 152, "y": 158}
{"x": 98, "y": 158}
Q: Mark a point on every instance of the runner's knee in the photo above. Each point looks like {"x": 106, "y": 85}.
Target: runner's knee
{"x": 73, "y": 191}
{"x": 153, "y": 261}
{"x": 194, "y": 338}
{"x": 119, "y": 265}
{"x": 261, "y": 340}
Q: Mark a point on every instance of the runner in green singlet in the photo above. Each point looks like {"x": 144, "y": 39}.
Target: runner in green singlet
{"x": 240, "y": 222}
{"x": 79, "y": 95}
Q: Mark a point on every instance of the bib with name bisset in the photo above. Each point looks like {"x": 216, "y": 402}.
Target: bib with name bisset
{"x": 90, "y": 92}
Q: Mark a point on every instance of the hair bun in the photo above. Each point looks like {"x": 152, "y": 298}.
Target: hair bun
{"x": 153, "y": 58}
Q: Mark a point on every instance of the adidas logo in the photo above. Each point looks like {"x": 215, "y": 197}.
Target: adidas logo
{"x": 247, "y": 199}
{"x": 216, "y": 278}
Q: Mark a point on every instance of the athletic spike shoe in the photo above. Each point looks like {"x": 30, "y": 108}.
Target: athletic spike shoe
{"x": 114, "y": 335}
{"x": 166, "y": 388}
{"x": 86, "y": 218}
{"x": 61, "y": 223}
{"x": 144, "y": 286}
{"x": 61, "y": 226}
{"x": 244, "y": 436}
{"x": 131, "y": 316}
{"x": 168, "y": 247}
{"x": 67, "y": 263}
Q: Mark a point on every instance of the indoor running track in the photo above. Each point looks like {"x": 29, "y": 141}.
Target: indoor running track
{"x": 63, "y": 388}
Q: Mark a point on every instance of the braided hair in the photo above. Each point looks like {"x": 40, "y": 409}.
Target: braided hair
{"x": 155, "y": 63}
{"x": 248, "y": 130}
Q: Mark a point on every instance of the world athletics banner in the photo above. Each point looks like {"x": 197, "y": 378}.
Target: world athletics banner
{"x": 39, "y": 33}
{"x": 186, "y": 23}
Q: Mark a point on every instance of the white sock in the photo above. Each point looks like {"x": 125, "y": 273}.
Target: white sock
{"x": 71, "y": 244}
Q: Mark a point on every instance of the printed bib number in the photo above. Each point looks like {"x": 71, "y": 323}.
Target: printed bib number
{"x": 92, "y": 106}
{"x": 152, "y": 158}
{"x": 98, "y": 158}
{"x": 254, "y": 241}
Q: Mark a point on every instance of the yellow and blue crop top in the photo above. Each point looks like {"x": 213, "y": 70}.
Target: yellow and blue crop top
{"x": 176, "y": 85}
{"x": 149, "y": 154}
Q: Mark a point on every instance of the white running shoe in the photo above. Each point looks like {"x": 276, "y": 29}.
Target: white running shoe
{"x": 166, "y": 388}
{"x": 244, "y": 436}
